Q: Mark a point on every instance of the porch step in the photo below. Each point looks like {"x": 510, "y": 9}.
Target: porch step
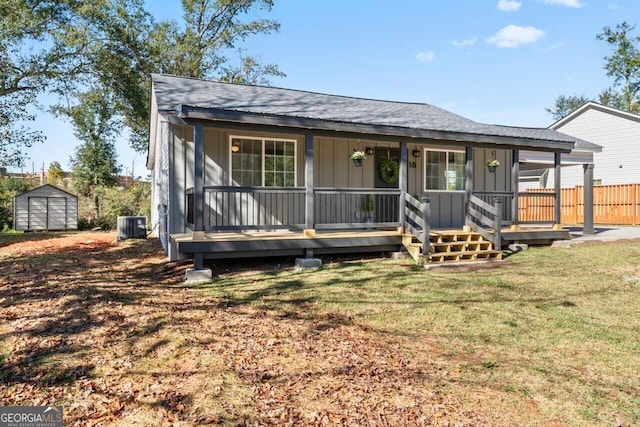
{"x": 451, "y": 246}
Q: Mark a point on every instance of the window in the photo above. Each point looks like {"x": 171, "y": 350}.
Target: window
{"x": 444, "y": 170}
{"x": 263, "y": 162}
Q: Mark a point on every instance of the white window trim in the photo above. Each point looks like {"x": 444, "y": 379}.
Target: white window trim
{"x": 424, "y": 170}
{"x": 262, "y": 139}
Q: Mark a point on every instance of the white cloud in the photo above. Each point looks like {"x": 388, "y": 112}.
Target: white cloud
{"x": 509, "y": 5}
{"x": 613, "y": 6}
{"x": 514, "y": 35}
{"x": 426, "y": 56}
{"x": 465, "y": 43}
{"x": 569, "y": 3}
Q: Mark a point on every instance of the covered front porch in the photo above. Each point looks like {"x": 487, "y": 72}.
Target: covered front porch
{"x": 224, "y": 221}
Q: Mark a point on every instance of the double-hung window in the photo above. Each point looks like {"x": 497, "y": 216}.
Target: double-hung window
{"x": 268, "y": 162}
{"x": 444, "y": 170}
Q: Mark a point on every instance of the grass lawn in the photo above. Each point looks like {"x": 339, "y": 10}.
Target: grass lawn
{"x": 549, "y": 337}
{"x": 552, "y": 334}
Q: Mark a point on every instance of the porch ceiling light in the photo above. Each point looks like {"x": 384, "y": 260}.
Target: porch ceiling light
{"x": 415, "y": 153}
{"x": 235, "y": 147}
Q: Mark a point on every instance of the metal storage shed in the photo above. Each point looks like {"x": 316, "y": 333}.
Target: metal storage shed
{"x": 45, "y": 208}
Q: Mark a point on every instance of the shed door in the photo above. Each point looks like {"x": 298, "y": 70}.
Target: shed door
{"x": 57, "y": 217}
{"x": 37, "y": 213}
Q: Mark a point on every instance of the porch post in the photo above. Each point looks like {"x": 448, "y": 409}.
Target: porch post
{"x": 588, "y": 199}
{"x": 198, "y": 168}
{"x": 402, "y": 182}
{"x": 515, "y": 186}
{"x": 468, "y": 184}
{"x": 198, "y": 205}
{"x": 308, "y": 184}
{"x": 557, "y": 161}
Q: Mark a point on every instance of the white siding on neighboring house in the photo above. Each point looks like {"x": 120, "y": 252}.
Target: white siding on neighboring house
{"x": 619, "y": 135}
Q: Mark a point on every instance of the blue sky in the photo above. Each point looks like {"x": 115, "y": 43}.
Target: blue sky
{"x": 492, "y": 61}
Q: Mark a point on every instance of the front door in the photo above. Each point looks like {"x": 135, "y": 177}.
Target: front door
{"x": 386, "y": 206}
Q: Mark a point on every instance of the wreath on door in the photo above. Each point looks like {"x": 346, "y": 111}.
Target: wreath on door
{"x": 389, "y": 171}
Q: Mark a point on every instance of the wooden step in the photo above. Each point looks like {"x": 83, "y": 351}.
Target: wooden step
{"x": 465, "y": 256}
{"x": 451, "y": 246}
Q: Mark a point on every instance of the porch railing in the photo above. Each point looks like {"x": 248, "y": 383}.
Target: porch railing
{"x": 486, "y": 219}
{"x": 264, "y": 208}
{"x": 417, "y": 219}
{"x": 506, "y": 200}
{"x": 337, "y": 208}
{"x": 246, "y": 208}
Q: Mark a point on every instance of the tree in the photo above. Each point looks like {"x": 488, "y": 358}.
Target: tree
{"x": 128, "y": 45}
{"x": 65, "y": 46}
{"x": 249, "y": 71}
{"x": 612, "y": 98}
{"x": 624, "y": 63}
{"x": 54, "y": 173}
{"x": 564, "y": 105}
{"x": 33, "y": 56}
{"x": 95, "y": 161}
{"x": 9, "y": 188}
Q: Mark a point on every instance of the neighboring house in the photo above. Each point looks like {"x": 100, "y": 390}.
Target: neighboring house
{"x": 45, "y": 208}
{"x": 616, "y": 131}
{"x": 227, "y": 159}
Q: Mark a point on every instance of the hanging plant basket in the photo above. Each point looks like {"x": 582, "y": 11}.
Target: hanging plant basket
{"x": 357, "y": 157}
{"x": 492, "y": 165}
{"x": 389, "y": 171}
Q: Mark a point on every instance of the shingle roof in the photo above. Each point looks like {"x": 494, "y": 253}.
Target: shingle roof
{"x": 172, "y": 93}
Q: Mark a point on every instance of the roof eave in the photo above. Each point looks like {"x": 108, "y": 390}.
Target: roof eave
{"x": 216, "y": 114}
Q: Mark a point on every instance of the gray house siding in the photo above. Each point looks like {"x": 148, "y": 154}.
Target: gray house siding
{"x": 46, "y": 208}
{"x": 332, "y": 169}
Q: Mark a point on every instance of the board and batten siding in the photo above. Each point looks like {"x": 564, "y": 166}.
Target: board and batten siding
{"x": 620, "y": 140}
{"x": 333, "y": 168}
{"x": 46, "y": 208}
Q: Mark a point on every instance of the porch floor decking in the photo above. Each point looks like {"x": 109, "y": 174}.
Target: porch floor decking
{"x": 295, "y": 243}
{"x": 284, "y": 243}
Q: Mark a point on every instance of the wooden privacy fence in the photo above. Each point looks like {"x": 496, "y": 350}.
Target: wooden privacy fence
{"x": 612, "y": 204}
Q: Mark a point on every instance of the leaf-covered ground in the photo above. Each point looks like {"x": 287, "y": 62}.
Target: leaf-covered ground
{"x": 108, "y": 331}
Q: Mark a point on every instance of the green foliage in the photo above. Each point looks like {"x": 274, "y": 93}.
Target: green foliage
{"x": 115, "y": 201}
{"x": 368, "y": 205}
{"x": 95, "y": 160}
{"x": 115, "y": 45}
{"x": 33, "y": 57}
{"x": 565, "y": 105}
{"x": 10, "y": 187}
{"x": 55, "y": 174}
{"x": 623, "y": 65}
{"x": 132, "y": 201}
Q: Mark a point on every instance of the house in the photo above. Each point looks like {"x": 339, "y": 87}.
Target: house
{"x": 45, "y": 208}
{"x": 240, "y": 170}
{"x": 616, "y": 131}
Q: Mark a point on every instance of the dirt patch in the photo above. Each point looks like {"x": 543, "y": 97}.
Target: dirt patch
{"x": 107, "y": 330}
